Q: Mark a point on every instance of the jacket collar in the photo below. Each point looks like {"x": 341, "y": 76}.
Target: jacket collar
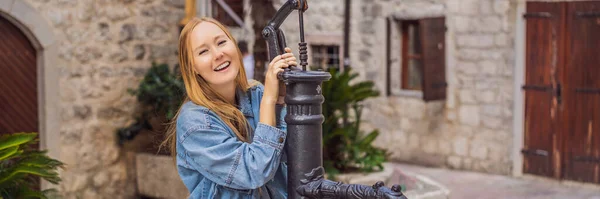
{"x": 244, "y": 103}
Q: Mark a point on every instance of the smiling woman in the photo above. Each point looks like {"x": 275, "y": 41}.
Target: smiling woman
{"x": 228, "y": 135}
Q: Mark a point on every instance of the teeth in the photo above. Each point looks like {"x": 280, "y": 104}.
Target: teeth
{"x": 222, "y": 66}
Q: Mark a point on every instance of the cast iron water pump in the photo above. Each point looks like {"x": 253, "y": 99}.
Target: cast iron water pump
{"x": 304, "y": 119}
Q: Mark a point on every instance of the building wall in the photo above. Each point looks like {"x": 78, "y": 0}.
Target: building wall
{"x": 104, "y": 48}
{"x": 472, "y": 128}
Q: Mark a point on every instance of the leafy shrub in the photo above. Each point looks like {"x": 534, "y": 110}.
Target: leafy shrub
{"x": 21, "y": 165}
{"x": 160, "y": 94}
{"x": 347, "y": 149}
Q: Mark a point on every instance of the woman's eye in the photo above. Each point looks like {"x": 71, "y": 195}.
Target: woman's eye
{"x": 202, "y": 52}
{"x": 222, "y": 42}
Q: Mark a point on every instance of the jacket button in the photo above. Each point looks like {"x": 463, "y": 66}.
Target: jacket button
{"x": 280, "y": 140}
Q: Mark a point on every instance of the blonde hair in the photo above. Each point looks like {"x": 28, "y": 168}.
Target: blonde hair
{"x": 199, "y": 92}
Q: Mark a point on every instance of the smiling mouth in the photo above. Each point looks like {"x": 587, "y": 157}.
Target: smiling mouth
{"x": 223, "y": 66}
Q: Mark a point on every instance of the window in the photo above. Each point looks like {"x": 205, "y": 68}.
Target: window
{"x": 412, "y": 58}
{"x": 325, "y": 56}
{"x": 219, "y": 13}
{"x": 422, "y": 56}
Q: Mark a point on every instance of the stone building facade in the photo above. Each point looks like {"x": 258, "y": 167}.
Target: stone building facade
{"x": 472, "y": 128}
{"x": 91, "y": 51}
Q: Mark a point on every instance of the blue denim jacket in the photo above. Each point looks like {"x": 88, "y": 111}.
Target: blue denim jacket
{"x": 213, "y": 163}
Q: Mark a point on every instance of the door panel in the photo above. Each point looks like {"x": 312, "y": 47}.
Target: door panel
{"x": 582, "y": 92}
{"x": 18, "y": 81}
{"x": 542, "y": 33}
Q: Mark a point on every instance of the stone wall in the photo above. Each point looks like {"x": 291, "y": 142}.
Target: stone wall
{"x": 105, "y": 47}
{"x": 472, "y": 128}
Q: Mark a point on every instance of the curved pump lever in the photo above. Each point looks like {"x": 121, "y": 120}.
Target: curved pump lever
{"x": 276, "y": 38}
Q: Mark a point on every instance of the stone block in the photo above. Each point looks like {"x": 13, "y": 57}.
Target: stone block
{"x": 491, "y": 110}
{"x": 461, "y": 146}
{"x": 454, "y": 162}
{"x": 176, "y": 3}
{"x": 467, "y": 68}
{"x": 60, "y": 17}
{"x": 462, "y": 24}
{"x": 445, "y": 147}
{"x": 466, "y": 96}
{"x": 485, "y": 7}
{"x": 429, "y": 159}
{"x": 491, "y": 122}
{"x": 469, "y": 54}
{"x": 489, "y": 67}
{"x": 469, "y": 7}
{"x": 486, "y": 96}
{"x": 475, "y": 41}
{"x": 489, "y": 24}
{"x": 158, "y": 177}
{"x": 501, "y": 39}
{"x": 430, "y": 145}
{"x": 501, "y": 6}
{"x": 469, "y": 115}
{"x": 6, "y": 5}
{"x": 478, "y": 149}
{"x": 86, "y": 10}
{"x": 413, "y": 141}
{"x": 72, "y": 181}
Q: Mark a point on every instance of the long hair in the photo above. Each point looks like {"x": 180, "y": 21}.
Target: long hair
{"x": 199, "y": 92}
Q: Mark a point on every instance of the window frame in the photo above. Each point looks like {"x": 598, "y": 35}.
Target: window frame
{"x": 433, "y": 55}
{"x": 325, "y": 40}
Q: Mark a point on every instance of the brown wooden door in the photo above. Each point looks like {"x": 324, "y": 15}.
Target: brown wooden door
{"x": 582, "y": 92}
{"x": 18, "y": 81}
{"x": 541, "y": 83}
{"x": 562, "y": 127}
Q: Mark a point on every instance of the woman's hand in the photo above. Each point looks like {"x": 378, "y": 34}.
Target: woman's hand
{"x": 277, "y": 65}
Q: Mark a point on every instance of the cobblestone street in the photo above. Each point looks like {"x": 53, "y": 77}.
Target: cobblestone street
{"x": 472, "y": 185}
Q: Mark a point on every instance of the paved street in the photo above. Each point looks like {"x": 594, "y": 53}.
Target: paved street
{"x": 472, "y": 185}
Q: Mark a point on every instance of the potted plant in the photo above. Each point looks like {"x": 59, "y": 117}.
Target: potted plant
{"x": 159, "y": 95}
{"x": 349, "y": 149}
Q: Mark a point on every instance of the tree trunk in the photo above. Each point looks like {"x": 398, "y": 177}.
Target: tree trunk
{"x": 262, "y": 11}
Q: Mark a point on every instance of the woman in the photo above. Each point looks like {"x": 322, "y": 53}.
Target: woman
{"x": 228, "y": 136}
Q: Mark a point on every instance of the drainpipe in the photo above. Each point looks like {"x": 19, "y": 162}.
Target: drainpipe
{"x": 347, "y": 34}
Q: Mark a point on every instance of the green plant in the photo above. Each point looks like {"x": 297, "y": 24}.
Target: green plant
{"x": 21, "y": 165}
{"x": 160, "y": 93}
{"x": 347, "y": 149}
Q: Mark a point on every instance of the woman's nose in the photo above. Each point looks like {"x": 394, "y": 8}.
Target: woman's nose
{"x": 218, "y": 54}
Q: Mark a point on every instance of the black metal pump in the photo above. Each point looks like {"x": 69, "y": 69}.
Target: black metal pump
{"x": 304, "y": 119}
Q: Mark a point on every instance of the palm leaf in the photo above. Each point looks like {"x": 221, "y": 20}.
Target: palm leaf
{"x": 16, "y": 139}
{"x": 8, "y": 152}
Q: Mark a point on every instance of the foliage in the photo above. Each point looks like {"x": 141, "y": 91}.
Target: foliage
{"x": 347, "y": 149}
{"x": 21, "y": 165}
{"x": 160, "y": 93}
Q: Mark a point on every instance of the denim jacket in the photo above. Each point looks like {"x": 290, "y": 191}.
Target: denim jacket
{"x": 213, "y": 163}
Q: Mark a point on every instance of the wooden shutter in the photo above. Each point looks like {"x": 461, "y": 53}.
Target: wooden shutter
{"x": 543, "y": 42}
{"x": 582, "y": 92}
{"x": 433, "y": 40}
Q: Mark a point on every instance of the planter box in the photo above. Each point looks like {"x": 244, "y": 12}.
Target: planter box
{"x": 157, "y": 177}
{"x": 418, "y": 186}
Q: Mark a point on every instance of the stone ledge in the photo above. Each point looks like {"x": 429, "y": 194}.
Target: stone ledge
{"x": 418, "y": 186}
{"x": 157, "y": 177}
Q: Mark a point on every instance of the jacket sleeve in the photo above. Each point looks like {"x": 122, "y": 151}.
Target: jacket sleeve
{"x": 280, "y": 112}
{"x": 222, "y": 158}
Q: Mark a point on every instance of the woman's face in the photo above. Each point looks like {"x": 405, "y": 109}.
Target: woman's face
{"x": 216, "y": 58}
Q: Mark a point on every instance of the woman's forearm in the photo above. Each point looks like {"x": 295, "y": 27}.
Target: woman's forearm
{"x": 267, "y": 109}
